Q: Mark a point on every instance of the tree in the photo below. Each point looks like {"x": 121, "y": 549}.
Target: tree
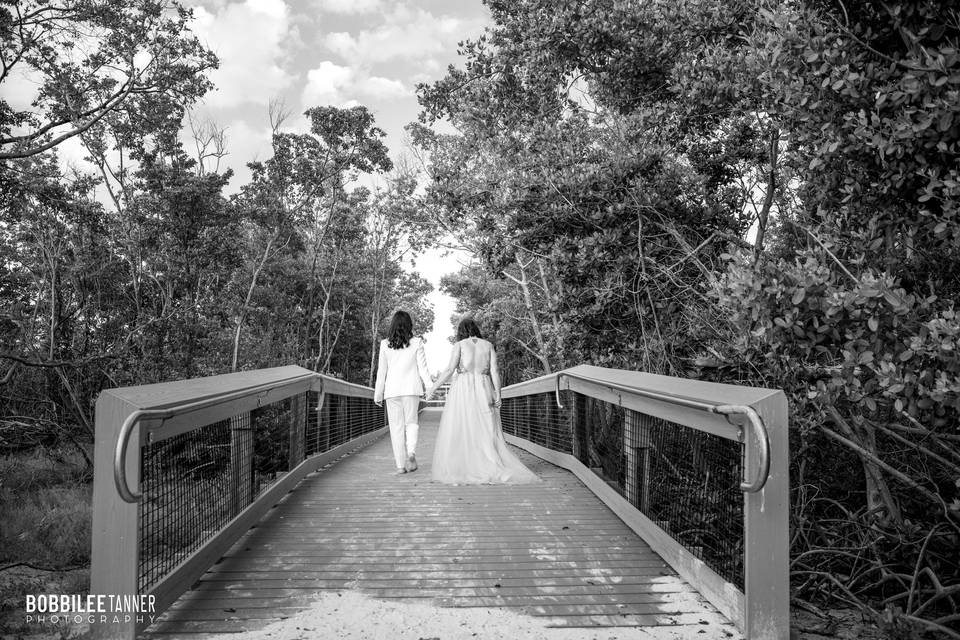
{"x": 305, "y": 172}
{"x": 94, "y": 58}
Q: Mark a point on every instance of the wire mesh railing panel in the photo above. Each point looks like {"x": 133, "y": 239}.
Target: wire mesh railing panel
{"x": 194, "y": 483}
{"x": 537, "y": 418}
{"x": 688, "y": 482}
{"x": 340, "y": 419}
{"x": 187, "y": 486}
{"x": 685, "y": 480}
{"x": 271, "y": 445}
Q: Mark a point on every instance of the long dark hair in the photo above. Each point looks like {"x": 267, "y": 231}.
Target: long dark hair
{"x": 401, "y": 330}
{"x": 468, "y": 328}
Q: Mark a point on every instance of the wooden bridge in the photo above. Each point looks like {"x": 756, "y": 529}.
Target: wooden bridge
{"x": 235, "y": 501}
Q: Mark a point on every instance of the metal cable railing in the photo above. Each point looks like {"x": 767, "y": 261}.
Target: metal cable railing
{"x": 684, "y": 480}
{"x": 339, "y": 420}
{"x": 698, "y": 469}
{"x": 186, "y": 486}
{"x": 209, "y": 457}
{"x": 194, "y": 483}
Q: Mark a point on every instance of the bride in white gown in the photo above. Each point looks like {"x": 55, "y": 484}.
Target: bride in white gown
{"x": 470, "y": 447}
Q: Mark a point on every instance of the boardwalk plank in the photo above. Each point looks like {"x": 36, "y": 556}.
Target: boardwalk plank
{"x": 551, "y": 550}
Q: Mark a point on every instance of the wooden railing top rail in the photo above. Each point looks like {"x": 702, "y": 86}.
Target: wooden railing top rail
{"x": 709, "y": 392}
{"x": 162, "y": 395}
{"x": 705, "y": 406}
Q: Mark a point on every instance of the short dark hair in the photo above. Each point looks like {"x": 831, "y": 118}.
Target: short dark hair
{"x": 401, "y": 330}
{"x": 468, "y": 328}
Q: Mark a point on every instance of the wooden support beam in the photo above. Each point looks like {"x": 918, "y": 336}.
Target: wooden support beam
{"x": 241, "y": 462}
{"x": 298, "y": 429}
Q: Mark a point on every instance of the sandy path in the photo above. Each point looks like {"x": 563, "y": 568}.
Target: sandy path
{"x": 353, "y": 616}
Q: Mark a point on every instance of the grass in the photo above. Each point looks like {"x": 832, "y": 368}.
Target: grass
{"x": 45, "y": 498}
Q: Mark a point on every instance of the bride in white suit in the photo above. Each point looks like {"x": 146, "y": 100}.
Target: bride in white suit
{"x": 402, "y": 376}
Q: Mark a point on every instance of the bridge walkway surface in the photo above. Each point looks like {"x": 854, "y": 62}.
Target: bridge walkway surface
{"x": 552, "y": 550}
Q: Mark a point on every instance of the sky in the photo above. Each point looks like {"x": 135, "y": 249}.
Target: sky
{"x": 341, "y": 53}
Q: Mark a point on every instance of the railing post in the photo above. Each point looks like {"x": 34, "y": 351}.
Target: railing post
{"x": 578, "y": 426}
{"x": 241, "y": 462}
{"x": 528, "y": 416}
{"x": 551, "y": 408}
{"x": 298, "y": 430}
{"x": 114, "y": 553}
{"x": 766, "y": 529}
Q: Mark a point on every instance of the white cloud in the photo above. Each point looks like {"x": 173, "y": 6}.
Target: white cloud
{"x": 383, "y": 87}
{"x": 406, "y": 33}
{"x": 349, "y": 6}
{"x": 249, "y": 38}
{"x": 328, "y": 84}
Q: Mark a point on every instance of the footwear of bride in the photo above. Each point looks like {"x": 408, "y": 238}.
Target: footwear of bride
{"x": 399, "y": 472}
{"x": 411, "y": 463}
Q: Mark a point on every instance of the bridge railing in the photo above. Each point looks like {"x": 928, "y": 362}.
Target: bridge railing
{"x": 698, "y": 469}
{"x": 183, "y": 469}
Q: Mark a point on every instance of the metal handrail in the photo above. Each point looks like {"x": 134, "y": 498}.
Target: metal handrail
{"x": 756, "y": 422}
{"x": 120, "y": 452}
{"x": 760, "y": 430}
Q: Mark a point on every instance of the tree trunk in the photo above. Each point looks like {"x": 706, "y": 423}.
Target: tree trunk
{"x": 879, "y": 498}
{"x": 554, "y": 305}
{"x": 246, "y": 303}
{"x": 531, "y": 314}
{"x": 764, "y": 215}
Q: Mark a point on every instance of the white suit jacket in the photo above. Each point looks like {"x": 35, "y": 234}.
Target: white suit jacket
{"x": 402, "y": 372}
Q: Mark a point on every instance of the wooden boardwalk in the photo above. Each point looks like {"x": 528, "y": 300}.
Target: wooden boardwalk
{"x": 551, "y": 549}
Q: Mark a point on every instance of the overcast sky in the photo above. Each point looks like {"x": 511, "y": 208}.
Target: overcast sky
{"x": 333, "y": 52}
{"x": 325, "y": 52}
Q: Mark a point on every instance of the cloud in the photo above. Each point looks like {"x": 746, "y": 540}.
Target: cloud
{"x": 406, "y": 33}
{"x": 250, "y": 38}
{"x": 383, "y": 87}
{"x": 330, "y": 83}
{"x": 349, "y": 6}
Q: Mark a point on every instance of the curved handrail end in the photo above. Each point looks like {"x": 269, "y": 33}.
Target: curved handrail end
{"x": 760, "y": 429}
{"x": 120, "y": 458}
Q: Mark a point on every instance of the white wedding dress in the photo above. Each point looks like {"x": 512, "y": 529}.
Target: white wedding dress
{"x": 470, "y": 447}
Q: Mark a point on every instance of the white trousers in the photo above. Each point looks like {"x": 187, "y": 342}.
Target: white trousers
{"x": 404, "y": 426}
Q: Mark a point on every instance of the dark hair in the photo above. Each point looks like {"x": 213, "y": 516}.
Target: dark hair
{"x": 467, "y": 328}
{"x": 401, "y": 330}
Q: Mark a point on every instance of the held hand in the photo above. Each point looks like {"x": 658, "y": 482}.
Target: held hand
{"x": 497, "y": 402}
{"x": 379, "y": 403}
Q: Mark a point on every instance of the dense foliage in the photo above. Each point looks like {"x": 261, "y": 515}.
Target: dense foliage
{"x": 141, "y": 266}
{"x": 751, "y": 191}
